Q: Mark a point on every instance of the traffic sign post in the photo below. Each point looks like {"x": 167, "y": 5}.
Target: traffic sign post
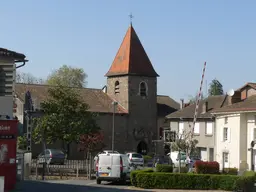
{"x": 252, "y": 163}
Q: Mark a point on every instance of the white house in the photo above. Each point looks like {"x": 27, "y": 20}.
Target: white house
{"x": 9, "y": 61}
{"x": 235, "y": 126}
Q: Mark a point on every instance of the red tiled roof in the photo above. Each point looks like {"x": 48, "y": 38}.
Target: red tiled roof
{"x": 131, "y": 58}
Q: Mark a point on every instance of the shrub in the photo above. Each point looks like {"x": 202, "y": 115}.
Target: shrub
{"x": 182, "y": 170}
{"x": 158, "y": 180}
{"x": 164, "y": 168}
{"x": 202, "y": 167}
{"x": 249, "y": 173}
{"x": 135, "y": 172}
{"x": 230, "y": 171}
{"x": 147, "y": 158}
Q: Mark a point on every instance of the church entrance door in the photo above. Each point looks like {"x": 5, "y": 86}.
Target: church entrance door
{"x": 142, "y": 148}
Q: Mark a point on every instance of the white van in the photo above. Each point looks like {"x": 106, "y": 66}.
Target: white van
{"x": 174, "y": 155}
{"x": 113, "y": 167}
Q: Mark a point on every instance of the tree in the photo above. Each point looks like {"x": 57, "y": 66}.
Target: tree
{"x": 65, "y": 118}
{"x": 193, "y": 99}
{"x": 91, "y": 142}
{"x": 215, "y": 88}
{"x": 184, "y": 143}
{"x": 28, "y": 78}
{"x": 68, "y": 76}
{"x": 22, "y": 142}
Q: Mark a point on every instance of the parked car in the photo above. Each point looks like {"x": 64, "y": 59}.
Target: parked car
{"x": 136, "y": 158}
{"x": 113, "y": 167}
{"x": 192, "y": 161}
{"x": 105, "y": 152}
{"x": 52, "y": 156}
{"x": 175, "y": 158}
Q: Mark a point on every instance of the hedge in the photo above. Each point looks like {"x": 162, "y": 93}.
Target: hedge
{"x": 156, "y": 180}
{"x": 164, "y": 168}
{"x": 207, "y": 167}
{"x": 230, "y": 171}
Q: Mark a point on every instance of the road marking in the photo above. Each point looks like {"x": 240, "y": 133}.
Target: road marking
{"x": 91, "y": 183}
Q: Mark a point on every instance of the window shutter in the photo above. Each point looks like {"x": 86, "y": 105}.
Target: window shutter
{"x": 222, "y": 134}
{"x": 229, "y": 135}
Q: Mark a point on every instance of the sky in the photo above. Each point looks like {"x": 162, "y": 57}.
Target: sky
{"x": 178, "y": 36}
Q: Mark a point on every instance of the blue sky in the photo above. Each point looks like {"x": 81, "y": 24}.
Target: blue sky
{"x": 177, "y": 35}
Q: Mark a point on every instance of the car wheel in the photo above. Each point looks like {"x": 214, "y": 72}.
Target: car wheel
{"x": 123, "y": 180}
{"x": 98, "y": 181}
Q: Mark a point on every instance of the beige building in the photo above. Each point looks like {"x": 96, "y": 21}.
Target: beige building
{"x": 9, "y": 61}
{"x": 204, "y": 130}
{"x": 236, "y": 129}
{"x": 132, "y": 82}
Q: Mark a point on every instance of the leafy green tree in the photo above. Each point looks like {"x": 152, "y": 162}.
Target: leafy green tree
{"x": 68, "y": 76}
{"x": 22, "y": 142}
{"x": 215, "y": 88}
{"x": 66, "y": 118}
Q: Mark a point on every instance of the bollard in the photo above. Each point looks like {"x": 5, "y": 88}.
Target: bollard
{"x": 77, "y": 170}
{"x": 1, "y": 183}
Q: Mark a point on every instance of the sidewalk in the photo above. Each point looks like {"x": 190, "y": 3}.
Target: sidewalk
{"x": 173, "y": 190}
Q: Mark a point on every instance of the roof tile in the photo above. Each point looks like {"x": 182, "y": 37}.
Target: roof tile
{"x": 131, "y": 58}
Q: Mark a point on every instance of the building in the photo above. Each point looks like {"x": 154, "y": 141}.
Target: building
{"x": 204, "y": 130}
{"x": 9, "y": 61}
{"x": 236, "y": 129}
{"x": 132, "y": 83}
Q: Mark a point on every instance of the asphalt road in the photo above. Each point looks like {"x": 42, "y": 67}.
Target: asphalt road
{"x": 71, "y": 185}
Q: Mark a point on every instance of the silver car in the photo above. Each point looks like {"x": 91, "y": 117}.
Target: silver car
{"x": 136, "y": 158}
{"x": 52, "y": 156}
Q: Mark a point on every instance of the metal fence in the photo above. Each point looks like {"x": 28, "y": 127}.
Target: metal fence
{"x": 71, "y": 168}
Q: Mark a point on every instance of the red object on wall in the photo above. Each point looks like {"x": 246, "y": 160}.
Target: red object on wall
{"x": 8, "y": 143}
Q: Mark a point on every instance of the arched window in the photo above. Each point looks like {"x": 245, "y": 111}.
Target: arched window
{"x": 117, "y": 87}
{"x": 143, "y": 89}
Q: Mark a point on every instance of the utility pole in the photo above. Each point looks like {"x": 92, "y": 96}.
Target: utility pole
{"x": 114, "y": 103}
{"x": 252, "y": 163}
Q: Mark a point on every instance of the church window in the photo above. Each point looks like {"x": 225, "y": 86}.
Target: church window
{"x": 143, "y": 89}
{"x": 117, "y": 87}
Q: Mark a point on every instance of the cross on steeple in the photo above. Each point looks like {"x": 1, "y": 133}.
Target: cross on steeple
{"x": 131, "y": 17}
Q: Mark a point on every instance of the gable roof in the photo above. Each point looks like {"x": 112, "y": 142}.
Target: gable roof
{"x": 131, "y": 58}
{"x": 188, "y": 112}
{"x": 249, "y": 84}
{"x": 95, "y": 98}
{"x": 166, "y": 105}
{"x": 249, "y": 104}
{"x": 12, "y": 54}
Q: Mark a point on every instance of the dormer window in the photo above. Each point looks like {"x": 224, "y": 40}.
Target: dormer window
{"x": 117, "y": 87}
{"x": 143, "y": 89}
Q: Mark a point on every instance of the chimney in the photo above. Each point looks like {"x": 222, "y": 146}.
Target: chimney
{"x": 205, "y": 107}
{"x": 181, "y": 103}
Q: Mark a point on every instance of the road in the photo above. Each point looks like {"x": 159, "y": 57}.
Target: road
{"x": 71, "y": 185}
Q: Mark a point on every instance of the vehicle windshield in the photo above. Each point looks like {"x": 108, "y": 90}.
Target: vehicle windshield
{"x": 56, "y": 151}
{"x": 183, "y": 156}
{"x": 136, "y": 155}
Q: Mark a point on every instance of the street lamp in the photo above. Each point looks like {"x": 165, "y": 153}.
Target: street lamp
{"x": 114, "y": 103}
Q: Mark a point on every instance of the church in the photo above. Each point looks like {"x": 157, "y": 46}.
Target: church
{"x": 130, "y": 95}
